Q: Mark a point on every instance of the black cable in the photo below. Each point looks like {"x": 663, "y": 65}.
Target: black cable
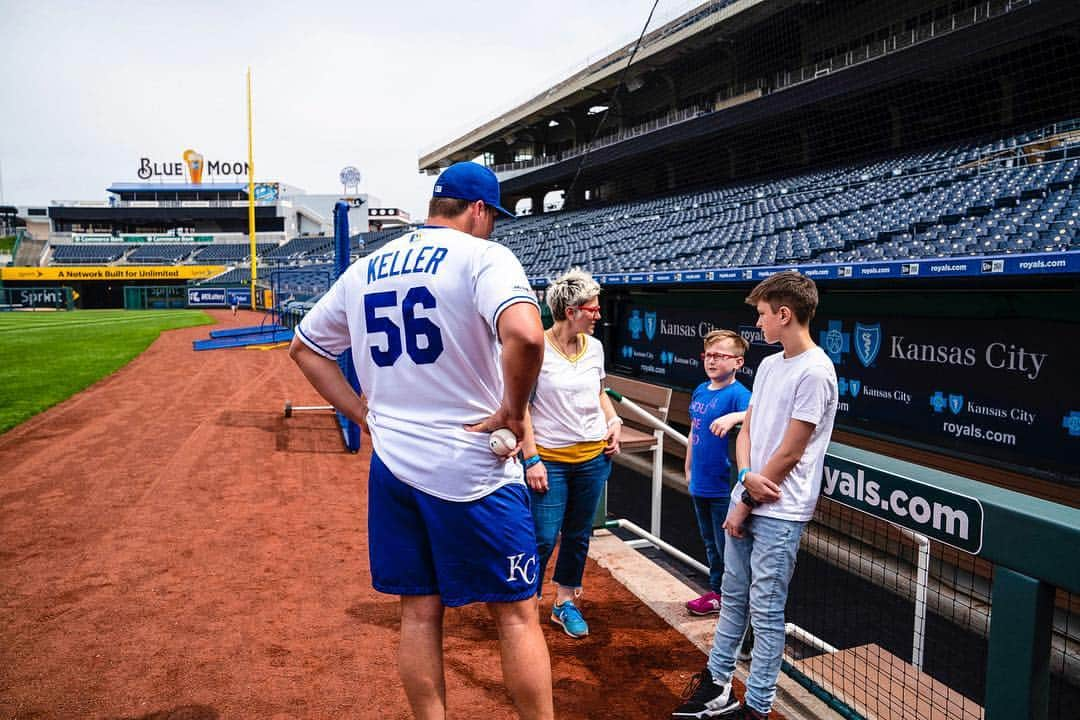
{"x": 569, "y": 194}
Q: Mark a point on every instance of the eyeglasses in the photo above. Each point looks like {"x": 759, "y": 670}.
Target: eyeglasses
{"x": 718, "y": 356}
{"x": 591, "y": 309}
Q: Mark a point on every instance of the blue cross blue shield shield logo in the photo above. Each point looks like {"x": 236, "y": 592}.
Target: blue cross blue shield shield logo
{"x": 956, "y": 403}
{"x": 867, "y": 342}
{"x": 650, "y": 325}
{"x": 856, "y": 386}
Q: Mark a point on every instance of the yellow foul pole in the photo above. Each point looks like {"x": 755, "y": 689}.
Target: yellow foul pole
{"x": 251, "y": 191}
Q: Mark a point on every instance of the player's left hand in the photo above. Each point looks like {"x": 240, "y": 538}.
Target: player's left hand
{"x": 363, "y": 415}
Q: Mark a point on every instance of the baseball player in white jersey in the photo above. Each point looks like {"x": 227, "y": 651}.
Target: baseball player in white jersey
{"x": 446, "y": 338}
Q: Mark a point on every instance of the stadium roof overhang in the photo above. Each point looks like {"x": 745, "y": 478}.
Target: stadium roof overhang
{"x": 682, "y": 35}
{"x": 934, "y": 58}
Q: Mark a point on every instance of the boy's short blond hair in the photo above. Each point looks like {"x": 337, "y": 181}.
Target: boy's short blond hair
{"x": 741, "y": 346}
{"x": 789, "y": 288}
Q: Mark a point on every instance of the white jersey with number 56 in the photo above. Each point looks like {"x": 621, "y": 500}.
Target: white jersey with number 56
{"x": 421, "y": 317}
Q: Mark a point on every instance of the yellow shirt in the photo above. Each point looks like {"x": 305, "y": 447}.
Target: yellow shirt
{"x": 576, "y": 453}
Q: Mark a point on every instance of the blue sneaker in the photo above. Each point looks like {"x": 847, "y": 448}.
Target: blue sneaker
{"x": 569, "y": 618}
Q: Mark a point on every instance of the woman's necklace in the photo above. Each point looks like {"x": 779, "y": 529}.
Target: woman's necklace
{"x": 564, "y": 350}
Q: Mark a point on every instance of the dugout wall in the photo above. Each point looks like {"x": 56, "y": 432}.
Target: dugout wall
{"x": 969, "y": 376}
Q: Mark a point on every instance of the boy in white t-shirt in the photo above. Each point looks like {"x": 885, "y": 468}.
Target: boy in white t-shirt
{"x": 781, "y": 454}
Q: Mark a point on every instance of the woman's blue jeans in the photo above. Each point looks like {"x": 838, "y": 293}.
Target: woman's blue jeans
{"x": 574, "y": 491}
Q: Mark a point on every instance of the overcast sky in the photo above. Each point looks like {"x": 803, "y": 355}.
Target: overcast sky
{"x": 89, "y": 88}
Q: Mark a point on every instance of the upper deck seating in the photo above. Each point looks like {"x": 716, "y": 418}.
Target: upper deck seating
{"x": 940, "y": 203}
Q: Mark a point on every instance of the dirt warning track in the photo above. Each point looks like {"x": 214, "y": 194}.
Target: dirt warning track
{"x": 172, "y": 547}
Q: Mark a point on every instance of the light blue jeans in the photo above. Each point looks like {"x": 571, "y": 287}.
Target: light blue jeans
{"x": 757, "y": 570}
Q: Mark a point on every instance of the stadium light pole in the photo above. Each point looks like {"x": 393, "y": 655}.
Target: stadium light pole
{"x": 251, "y": 190}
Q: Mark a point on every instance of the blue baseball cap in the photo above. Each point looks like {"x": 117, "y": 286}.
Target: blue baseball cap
{"x": 470, "y": 181}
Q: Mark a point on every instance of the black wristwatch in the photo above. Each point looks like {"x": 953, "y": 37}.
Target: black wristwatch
{"x": 749, "y": 501}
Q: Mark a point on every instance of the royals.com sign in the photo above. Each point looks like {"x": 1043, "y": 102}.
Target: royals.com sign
{"x": 940, "y": 515}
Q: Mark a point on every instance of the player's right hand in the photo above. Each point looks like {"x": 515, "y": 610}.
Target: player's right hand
{"x": 501, "y": 419}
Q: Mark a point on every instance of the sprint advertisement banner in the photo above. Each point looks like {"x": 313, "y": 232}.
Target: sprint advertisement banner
{"x": 988, "y": 388}
{"x": 112, "y": 272}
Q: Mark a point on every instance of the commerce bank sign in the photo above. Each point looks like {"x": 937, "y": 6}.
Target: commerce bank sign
{"x": 193, "y": 165}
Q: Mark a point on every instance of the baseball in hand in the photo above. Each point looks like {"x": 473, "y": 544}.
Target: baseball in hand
{"x": 502, "y": 442}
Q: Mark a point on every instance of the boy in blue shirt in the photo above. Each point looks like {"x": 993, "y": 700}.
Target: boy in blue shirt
{"x": 715, "y": 407}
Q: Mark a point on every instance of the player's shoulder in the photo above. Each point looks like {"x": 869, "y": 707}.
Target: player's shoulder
{"x": 496, "y": 251}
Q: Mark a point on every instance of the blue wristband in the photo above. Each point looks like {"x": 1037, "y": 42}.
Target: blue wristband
{"x": 742, "y": 473}
{"x": 530, "y": 461}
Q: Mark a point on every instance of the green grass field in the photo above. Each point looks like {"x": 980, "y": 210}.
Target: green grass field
{"x": 46, "y": 357}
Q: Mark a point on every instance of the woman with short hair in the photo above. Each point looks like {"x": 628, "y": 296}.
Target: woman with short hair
{"x": 574, "y": 433}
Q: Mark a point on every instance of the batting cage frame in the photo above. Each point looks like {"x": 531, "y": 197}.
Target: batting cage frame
{"x": 350, "y": 431}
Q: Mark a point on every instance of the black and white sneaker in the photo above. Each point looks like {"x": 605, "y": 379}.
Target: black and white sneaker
{"x": 703, "y": 698}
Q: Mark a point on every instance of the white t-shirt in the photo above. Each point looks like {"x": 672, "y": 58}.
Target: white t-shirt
{"x": 800, "y": 388}
{"x": 566, "y": 406}
{"x": 421, "y": 315}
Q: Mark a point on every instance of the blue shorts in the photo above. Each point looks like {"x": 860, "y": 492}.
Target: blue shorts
{"x": 478, "y": 551}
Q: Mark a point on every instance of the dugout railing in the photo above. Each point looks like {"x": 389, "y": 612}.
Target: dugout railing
{"x": 924, "y": 594}
{"x": 889, "y": 614}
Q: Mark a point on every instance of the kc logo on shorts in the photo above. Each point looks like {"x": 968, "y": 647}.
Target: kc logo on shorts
{"x": 523, "y": 569}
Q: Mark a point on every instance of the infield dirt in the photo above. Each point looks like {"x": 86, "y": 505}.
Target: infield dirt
{"x": 171, "y": 547}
